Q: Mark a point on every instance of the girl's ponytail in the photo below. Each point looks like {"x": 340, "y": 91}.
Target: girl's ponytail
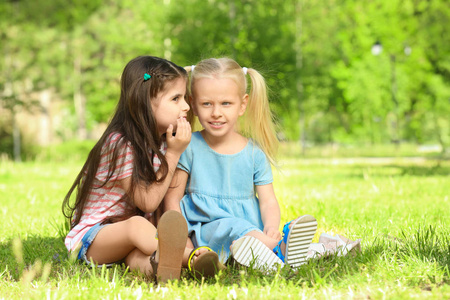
{"x": 258, "y": 121}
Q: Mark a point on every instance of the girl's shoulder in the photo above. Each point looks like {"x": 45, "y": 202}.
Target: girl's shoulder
{"x": 256, "y": 150}
{"x": 113, "y": 137}
{"x": 253, "y": 145}
{"x": 196, "y": 135}
{"x": 114, "y": 140}
{"x": 196, "y": 139}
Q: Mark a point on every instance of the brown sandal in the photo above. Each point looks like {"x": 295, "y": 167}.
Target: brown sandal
{"x": 172, "y": 236}
{"x": 205, "y": 265}
{"x": 154, "y": 265}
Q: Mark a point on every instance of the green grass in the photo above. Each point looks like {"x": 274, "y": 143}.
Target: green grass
{"x": 399, "y": 207}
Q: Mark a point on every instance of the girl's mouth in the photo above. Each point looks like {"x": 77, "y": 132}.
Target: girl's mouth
{"x": 216, "y": 124}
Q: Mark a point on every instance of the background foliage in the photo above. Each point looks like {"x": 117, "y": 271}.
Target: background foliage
{"x": 327, "y": 86}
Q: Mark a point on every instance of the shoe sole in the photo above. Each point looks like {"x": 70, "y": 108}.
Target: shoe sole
{"x": 298, "y": 241}
{"x": 248, "y": 250}
{"x": 172, "y": 236}
{"x": 206, "y": 265}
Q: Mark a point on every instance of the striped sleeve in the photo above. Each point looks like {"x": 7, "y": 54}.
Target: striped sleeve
{"x": 124, "y": 163}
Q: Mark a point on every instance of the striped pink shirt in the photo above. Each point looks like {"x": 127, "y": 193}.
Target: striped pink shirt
{"x": 106, "y": 201}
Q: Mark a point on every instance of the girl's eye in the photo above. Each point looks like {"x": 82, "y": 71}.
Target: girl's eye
{"x": 176, "y": 99}
{"x": 206, "y": 104}
{"x": 226, "y": 103}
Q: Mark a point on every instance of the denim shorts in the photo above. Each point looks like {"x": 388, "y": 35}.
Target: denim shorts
{"x": 87, "y": 240}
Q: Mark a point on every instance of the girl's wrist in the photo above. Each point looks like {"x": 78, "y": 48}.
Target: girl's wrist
{"x": 270, "y": 227}
{"x": 172, "y": 154}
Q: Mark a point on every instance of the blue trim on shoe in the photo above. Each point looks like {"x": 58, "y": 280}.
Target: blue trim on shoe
{"x": 277, "y": 249}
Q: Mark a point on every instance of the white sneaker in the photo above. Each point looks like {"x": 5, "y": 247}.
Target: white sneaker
{"x": 329, "y": 245}
{"x": 299, "y": 238}
{"x": 249, "y": 250}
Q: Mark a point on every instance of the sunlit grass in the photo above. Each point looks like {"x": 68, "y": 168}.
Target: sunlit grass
{"x": 398, "y": 207}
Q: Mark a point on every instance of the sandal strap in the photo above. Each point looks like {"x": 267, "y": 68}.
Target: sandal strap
{"x": 277, "y": 249}
{"x": 193, "y": 253}
{"x": 153, "y": 263}
{"x": 286, "y": 230}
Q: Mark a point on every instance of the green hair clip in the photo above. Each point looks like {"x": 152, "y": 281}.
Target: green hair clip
{"x": 147, "y": 77}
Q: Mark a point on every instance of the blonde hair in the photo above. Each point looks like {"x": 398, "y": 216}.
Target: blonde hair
{"x": 257, "y": 122}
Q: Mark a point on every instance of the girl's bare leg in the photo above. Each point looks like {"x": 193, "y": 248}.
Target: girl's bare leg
{"x": 268, "y": 241}
{"x": 132, "y": 239}
{"x": 137, "y": 260}
{"x": 116, "y": 241}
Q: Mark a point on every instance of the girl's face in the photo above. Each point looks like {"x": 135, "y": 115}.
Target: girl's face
{"x": 170, "y": 105}
{"x": 218, "y": 104}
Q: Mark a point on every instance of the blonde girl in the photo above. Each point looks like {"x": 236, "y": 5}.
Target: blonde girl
{"x": 224, "y": 177}
{"x": 116, "y": 213}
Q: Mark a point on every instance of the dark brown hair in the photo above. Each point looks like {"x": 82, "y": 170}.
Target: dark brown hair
{"x": 134, "y": 120}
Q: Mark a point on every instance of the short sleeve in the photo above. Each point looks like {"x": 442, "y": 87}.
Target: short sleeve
{"x": 185, "y": 162}
{"x": 263, "y": 171}
{"x": 124, "y": 163}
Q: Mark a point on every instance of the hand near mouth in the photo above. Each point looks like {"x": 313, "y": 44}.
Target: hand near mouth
{"x": 178, "y": 141}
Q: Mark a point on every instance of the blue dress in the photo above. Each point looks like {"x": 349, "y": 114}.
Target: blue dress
{"x": 220, "y": 204}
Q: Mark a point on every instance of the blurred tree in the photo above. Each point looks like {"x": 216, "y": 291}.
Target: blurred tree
{"x": 374, "y": 98}
{"x": 256, "y": 34}
{"x": 326, "y": 85}
{"x": 32, "y": 51}
{"x": 430, "y": 96}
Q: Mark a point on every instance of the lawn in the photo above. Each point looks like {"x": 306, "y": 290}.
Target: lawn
{"x": 399, "y": 207}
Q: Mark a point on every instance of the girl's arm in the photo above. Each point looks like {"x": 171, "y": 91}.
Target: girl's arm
{"x": 174, "y": 195}
{"x": 148, "y": 197}
{"x": 176, "y": 191}
{"x": 270, "y": 210}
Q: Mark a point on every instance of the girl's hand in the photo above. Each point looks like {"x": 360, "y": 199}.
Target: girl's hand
{"x": 177, "y": 143}
{"x": 273, "y": 233}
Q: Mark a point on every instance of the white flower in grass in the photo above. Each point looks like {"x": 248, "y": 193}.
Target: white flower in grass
{"x": 232, "y": 294}
{"x": 164, "y": 290}
{"x": 138, "y": 293}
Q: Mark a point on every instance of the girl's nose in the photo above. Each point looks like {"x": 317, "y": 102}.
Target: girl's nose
{"x": 185, "y": 105}
{"x": 216, "y": 112}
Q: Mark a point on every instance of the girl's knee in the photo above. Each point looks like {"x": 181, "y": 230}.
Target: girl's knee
{"x": 138, "y": 223}
{"x": 254, "y": 233}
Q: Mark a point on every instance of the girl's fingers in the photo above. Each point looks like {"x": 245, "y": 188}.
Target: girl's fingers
{"x": 180, "y": 129}
{"x": 169, "y": 131}
{"x": 183, "y": 128}
{"x": 182, "y": 137}
{"x": 187, "y": 131}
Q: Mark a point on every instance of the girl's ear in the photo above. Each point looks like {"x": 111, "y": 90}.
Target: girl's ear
{"x": 193, "y": 107}
{"x": 243, "y": 105}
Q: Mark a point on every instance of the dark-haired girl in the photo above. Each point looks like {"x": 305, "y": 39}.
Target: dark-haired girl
{"x": 116, "y": 215}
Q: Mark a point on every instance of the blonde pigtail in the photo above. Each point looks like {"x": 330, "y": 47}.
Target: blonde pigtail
{"x": 189, "y": 69}
{"x": 259, "y": 122}
{"x": 191, "y": 118}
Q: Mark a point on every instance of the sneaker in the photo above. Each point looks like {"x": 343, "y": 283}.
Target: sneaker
{"x": 249, "y": 250}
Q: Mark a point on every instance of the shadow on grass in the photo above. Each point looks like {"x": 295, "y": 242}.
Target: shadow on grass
{"x": 423, "y": 243}
{"x": 398, "y": 170}
{"x": 16, "y": 256}
{"x": 436, "y": 170}
{"x": 415, "y": 248}
{"x": 426, "y": 243}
